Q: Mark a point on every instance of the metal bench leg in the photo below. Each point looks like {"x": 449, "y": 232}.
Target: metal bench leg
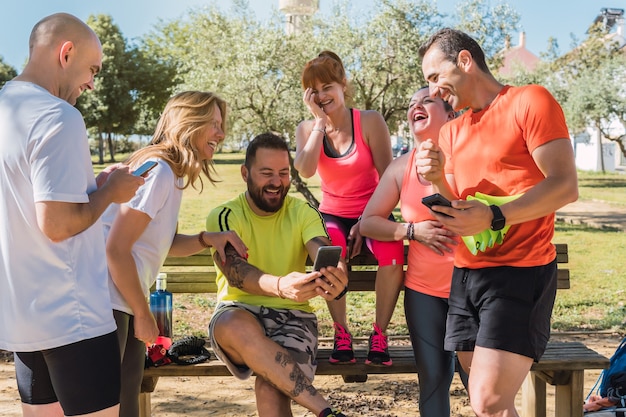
{"x": 569, "y": 397}
{"x": 533, "y": 396}
{"x": 145, "y": 407}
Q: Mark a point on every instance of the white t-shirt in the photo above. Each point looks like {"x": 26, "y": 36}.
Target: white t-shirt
{"x": 159, "y": 198}
{"x": 51, "y": 294}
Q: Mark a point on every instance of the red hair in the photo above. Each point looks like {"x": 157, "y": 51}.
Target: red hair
{"x": 326, "y": 68}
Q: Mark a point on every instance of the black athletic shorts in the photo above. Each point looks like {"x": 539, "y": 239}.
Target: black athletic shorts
{"x": 506, "y": 308}
{"x": 83, "y": 376}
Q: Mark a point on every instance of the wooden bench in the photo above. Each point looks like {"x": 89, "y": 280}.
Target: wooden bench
{"x": 562, "y": 365}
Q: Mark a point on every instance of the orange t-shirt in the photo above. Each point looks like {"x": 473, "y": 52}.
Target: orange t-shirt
{"x": 427, "y": 272}
{"x": 491, "y": 151}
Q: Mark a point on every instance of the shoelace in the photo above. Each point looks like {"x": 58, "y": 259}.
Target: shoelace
{"x": 379, "y": 342}
{"x": 342, "y": 338}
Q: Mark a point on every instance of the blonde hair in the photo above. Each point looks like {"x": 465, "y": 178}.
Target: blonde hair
{"x": 185, "y": 116}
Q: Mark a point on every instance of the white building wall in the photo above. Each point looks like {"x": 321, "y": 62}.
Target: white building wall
{"x": 587, "y": 152}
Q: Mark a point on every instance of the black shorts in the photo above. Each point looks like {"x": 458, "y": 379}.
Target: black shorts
{"x": 83, "y": 376}
{"x": 506, "y": 308}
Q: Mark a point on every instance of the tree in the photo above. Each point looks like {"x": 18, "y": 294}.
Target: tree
{"x": 130, "y": 90}
{"x": 153, "y": 80}
{"x": 257, "y": 68}
{"x": 7, "y": 72}
{"x": 109, "y": 109}
{"x": 590, "y": 83}
{"x": 597, "y": 98}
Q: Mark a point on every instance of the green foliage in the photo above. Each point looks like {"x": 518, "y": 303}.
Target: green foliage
{"x": 7, "y": 72}
{"x": 257, "y": 68}
{"x": 130, "y": 90}
{"x": 490, "y": 26}
{"x": 589, "y": 83}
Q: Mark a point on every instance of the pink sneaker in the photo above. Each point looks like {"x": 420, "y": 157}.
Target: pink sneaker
{"x": 342, "y": 349}
{"x": 378, "y": 349}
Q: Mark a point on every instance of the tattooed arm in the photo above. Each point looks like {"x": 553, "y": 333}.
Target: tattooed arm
{"x": 295, "y": 286}
{"x": 240, "y": 274}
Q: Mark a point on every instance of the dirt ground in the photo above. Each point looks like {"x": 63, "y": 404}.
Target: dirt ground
{"x": 381, "y": 396}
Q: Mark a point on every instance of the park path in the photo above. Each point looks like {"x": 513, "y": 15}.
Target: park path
{"x": 594, "y": 213}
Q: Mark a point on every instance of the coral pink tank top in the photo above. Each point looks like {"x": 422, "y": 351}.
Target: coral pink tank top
{"x": 427, "y": 272}
{"x": 348, "y": 180}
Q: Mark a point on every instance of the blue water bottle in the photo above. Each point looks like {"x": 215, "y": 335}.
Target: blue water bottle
{"x": 161, "y": 306}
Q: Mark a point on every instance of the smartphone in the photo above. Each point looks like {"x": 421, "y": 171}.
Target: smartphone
{"x": 144, "y": 168}
{"x": 327, "y": 256}
{"x": 436, "y": 200}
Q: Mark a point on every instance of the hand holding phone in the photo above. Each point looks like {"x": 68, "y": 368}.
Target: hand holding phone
{"x": 145, "y": 168}
{"x": 436, "y": 200}
{"x": 327, "y": 256}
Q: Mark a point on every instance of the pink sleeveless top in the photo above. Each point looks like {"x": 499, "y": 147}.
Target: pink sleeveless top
{"x": 427, "y": 272}
{"x": 349, "y": 180}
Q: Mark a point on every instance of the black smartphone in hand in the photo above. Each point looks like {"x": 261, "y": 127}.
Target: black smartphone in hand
{"x": 327, "y": 256}
{"x": 436, "y": 200}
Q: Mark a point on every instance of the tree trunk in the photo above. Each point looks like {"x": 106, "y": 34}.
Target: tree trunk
{"x": 600, "y": 149}
{"x": 300, "y": 185}
{"x": 100, "y": 148}
{"x": 111, "y": 148}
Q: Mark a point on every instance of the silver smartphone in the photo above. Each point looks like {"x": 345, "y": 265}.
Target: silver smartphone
{"x": 144, "y": 168}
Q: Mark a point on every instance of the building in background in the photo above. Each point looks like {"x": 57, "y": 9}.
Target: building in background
{"x": 517, "y": 57}
{"x": 296, "y": 12}
{"x": 593, "y": 151}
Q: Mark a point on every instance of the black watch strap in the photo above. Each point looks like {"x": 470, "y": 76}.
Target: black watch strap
{"x": 498, "y": 221}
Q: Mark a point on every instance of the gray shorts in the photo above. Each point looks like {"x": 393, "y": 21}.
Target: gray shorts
{"x": 294, "y": 330}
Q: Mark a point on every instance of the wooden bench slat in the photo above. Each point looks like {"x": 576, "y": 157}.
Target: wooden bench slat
{"x": 570, "y": 356}
{"x": 204, "y": 281}
{"x": 204, "y": 258}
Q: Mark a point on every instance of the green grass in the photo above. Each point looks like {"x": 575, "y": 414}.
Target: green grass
{"x": 608, "y": 187}
{"x": 596, "y": 300}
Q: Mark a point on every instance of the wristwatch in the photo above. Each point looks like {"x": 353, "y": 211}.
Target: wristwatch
{"x": 498, "y": 221}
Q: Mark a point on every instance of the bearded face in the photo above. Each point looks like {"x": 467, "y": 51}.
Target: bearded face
{"x": 268, "y": 180}
{"x": 267, "y": 197}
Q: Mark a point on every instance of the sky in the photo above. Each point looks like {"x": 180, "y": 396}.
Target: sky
{"x": 540, "y": 19}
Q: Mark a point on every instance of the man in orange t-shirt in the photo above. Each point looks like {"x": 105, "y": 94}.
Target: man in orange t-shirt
{"x": 510, "y": 141}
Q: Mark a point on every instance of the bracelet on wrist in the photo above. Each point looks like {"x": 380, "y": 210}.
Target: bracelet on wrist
{"x": 317, "y": 129}
{"x": 342, "y": 293}
{"x": 410, "y": 231}
{"x": 278, "y": 291}
{"x": 202, "y": 242}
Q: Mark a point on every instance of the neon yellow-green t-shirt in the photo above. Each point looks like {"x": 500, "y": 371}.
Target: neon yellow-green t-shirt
{"x": 276, "y": 243}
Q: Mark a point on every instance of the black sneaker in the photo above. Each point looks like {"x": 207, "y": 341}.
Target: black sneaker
{"x": 342, "y": 349}
{"x": 378, "y": 349}
{"x": 328, "y": 412}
